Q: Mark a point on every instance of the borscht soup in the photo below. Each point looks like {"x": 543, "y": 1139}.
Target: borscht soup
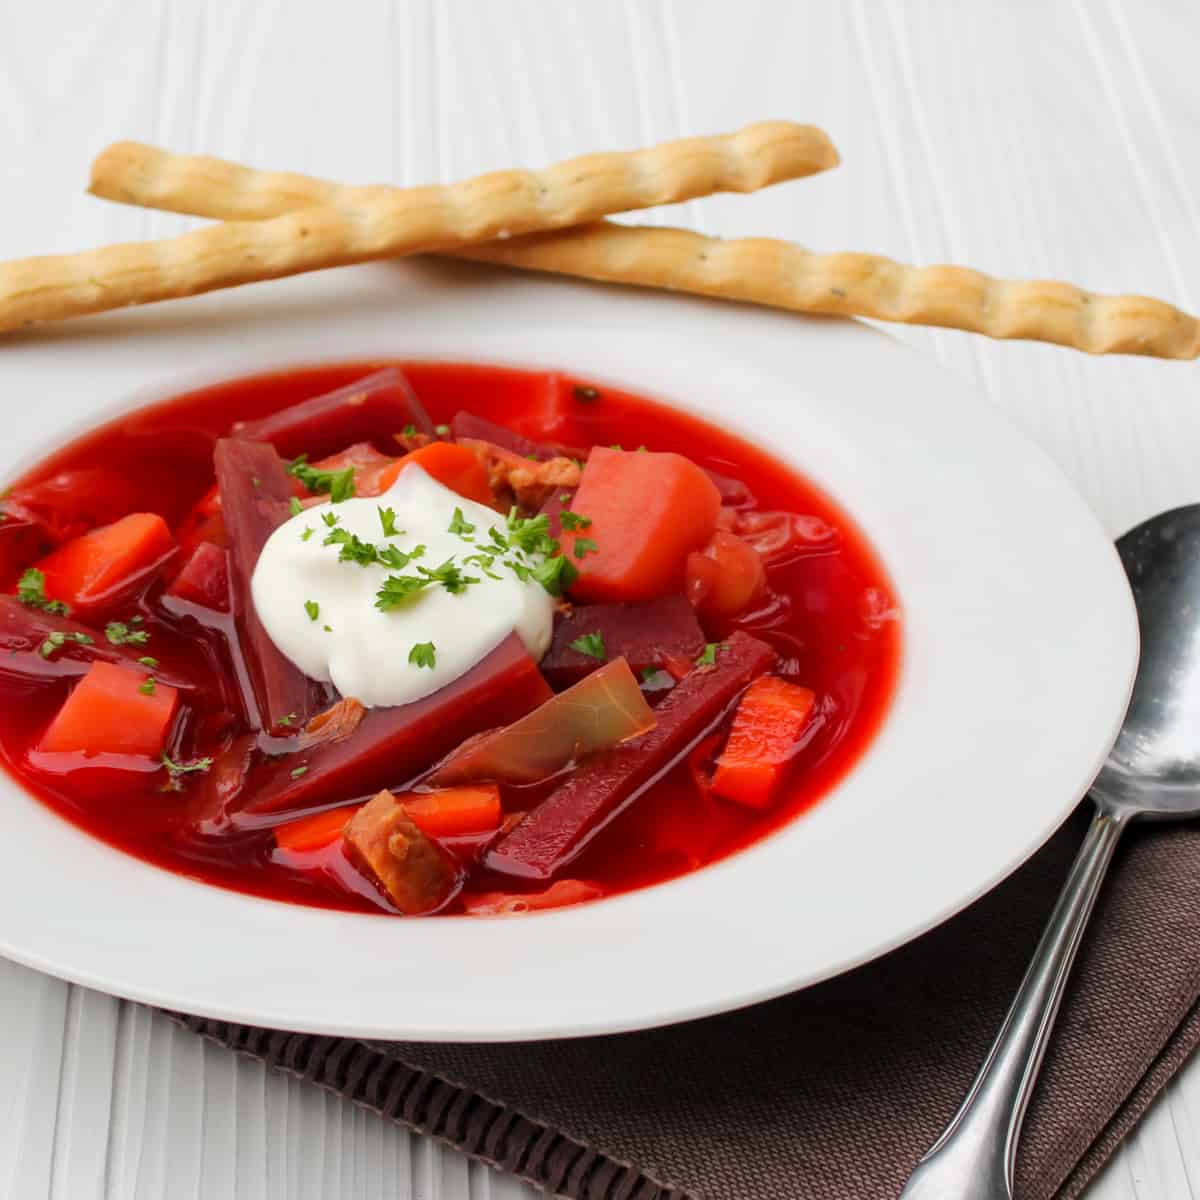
{"x": 424, "y": 638}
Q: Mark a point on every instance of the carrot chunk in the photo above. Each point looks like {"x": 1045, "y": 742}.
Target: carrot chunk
{"x": 770, "y": 718}
{"x": 455, "y": 466}
{"x": 455, "y": 812}
{"x": 647, "y": 512}
{"x": 99, "y": 569}
{"x": 113, "y": 710}
{"x": 315, "y": 832}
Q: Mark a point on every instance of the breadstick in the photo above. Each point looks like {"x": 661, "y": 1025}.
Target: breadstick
{"x": 369, "y": 223}
{"x": 759, "y": 270}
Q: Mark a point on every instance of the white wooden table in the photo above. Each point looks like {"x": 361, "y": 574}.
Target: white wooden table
{"x": 1049, "y": 139}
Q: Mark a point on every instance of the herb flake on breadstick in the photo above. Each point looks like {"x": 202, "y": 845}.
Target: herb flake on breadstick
{"x": 369, "y": 223}
{"x": 758, "y": 271}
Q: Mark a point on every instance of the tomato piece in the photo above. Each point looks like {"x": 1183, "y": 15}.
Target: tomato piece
{"x": 648, "y": 512}
{"x": 100, "y": 569}
{"x": 724, "y": 577}
{"x": 113, "y": 710}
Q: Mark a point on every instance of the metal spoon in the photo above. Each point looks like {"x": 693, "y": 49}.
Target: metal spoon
{"x": 1152, "y": 771}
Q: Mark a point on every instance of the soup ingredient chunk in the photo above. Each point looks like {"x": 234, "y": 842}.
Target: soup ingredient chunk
{"x": 456, "y": 812}
{"x": 558, "y": 828}
{"x": 113, "y": 710}
{"x": 204, "y": 580}
{"x": 456, "y": 467}
{"x": 96, "y": 571}
{"x": 724, "y": 577}
{"x": 647, "y": 512}
{"x": 387, "y": 846}
{"x": 770, "y": 718}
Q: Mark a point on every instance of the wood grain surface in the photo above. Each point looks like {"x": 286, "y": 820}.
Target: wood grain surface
{"x": 1050, "y": 140}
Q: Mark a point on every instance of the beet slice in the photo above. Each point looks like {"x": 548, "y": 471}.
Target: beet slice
{"x": 204, "y": 579}
{"x": 24, "y": 538}
{"x": 559, "y": 828}
{"x": 24, "y": 630}
{"x": 734, "y": 493}
{"x": 368, "y": 410}
{"x": 392, "y": 745}
{"x": 643, "y": 634}
{"x": 468, "y": 425}
{"x": 558, "y": 499}
{"x": 255, "y": 490}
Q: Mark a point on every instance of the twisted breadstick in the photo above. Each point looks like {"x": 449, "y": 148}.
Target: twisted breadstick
{"x": 367, "y": 223}
{"x": 758, "y": 270}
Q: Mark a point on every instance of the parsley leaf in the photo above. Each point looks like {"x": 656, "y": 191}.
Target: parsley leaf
{"x": 591, "y": 644}
{"x": 58, "y": 639}
{"x": 175, "y": 770}
{"x": 442, "y": 430}
{"x": 449, "y": 576}
{"x": 584, "y": 546}
{"x": 387, "y": 518}
{"x": 708, "y": 656}
{"x": 423, "y": 654}
{"x": 397, "y": 589}
{"x": 120, "y": 634}
{"x": 147, "y": 686}
{"x": 31, "y": 591}
{"x": 286, "y": 720}
{"x": 556, "y": 574}
{"x": 313, "y": 609}
{"x": 330, "y": 518}
{"x": 338, "y": 484}
{"x": 353, "y": 548}
{"x": 296, "y": 772}
{"x": 146, "y": 662}
{"x": 459, "y": 524}
{"x": 572, "y": 520}
{"x": 530, "y": 534}
{"x": 295, "y": 507}
{"x": 308, "y": 532}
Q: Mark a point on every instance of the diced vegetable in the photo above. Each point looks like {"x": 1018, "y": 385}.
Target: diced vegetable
{"x": 455, "y": 812}
{"x": 204, "y": 579}
{"x": 370, "y": 409}
{"x": 38, "y": 645}
{"x": 97, "y": 571}
{"x": 394, "y": 745}
{"x": 455, "y": 466}
{"x": 315, "y": 832}
{"x": 254, "y": 496}
{"x": 642, "y": 634}
{"x": 602, "y": 710}
{"x": 648, "y": 512}
{"x": 770, "y": 717}
{"x": 560, "y": 499}
{"x": 557, "y": 829}
{"x": 387, "y": 846}
{"x": 507, "y": 904}
{"x": 369, "y": 467}
{"x": 72, "y": 502}
{"x": 112, "y": 710}
{"x": 725, "y": 577}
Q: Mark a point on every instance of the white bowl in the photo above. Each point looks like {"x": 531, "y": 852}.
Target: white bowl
{"x": 1020, "y": 644}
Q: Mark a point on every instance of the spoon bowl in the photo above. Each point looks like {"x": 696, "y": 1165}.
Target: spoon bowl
{"x": 1152, "y": 771}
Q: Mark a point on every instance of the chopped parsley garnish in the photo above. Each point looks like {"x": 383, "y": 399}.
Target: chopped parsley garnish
{"x": 313, "y": 609}
{"x": 327, "y": 628}
{"x": 498, "y": 539}
{"x": 175, "y": 770}
{"x": 484, "y": 562}
{"x": 308, "y": 532}
{"x": 31, "y": 591}
{"x": 653, "y": 675}
{"x": 120, "y": 634}
{"x": 585, "y": 394}
{"x": 397, "y": 589}
{"x": 591, "y": 644}
{"x": 298, "y": 771}
{"x": 572, "y": 520}
{"x": 459, "y": 524}
{"x": 449, "y": 576}
{"x": 339, "y": 485}
{"x": 330, "y": 518}
{"x": 556, "y": 574}
{"x": 286, "y": 720}
{"x": 353, "y": 548}
{"x": 58, "y": 639}
{"x": 146, "y": 662}
{"x": 409, "y": 431}
{"x": 584, "y": 546}
{"x": 147, "y": 686}
{"x": 423, "y": 654}
{"x": 294, "y": 506}
{"x": 442, "y": 430}
{"x": 395, "y": 558}
{"x": 530, "y": 534}
{"x": 387, "y": 518}
{"x": 708, "y": 656}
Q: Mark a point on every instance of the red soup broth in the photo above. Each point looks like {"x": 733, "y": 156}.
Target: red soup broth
{"x": 831, "y": 617}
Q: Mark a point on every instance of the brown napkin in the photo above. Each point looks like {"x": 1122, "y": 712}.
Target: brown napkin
{"x": 835, "y": 1092}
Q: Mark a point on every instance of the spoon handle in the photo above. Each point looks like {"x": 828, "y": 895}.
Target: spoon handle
{"x": 973, "y": 1159}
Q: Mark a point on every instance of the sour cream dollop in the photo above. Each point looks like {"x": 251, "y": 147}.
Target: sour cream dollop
{"x": 321, "y": 612}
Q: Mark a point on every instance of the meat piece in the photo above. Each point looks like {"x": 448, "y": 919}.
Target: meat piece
{"x": 372, "y": 409}
{"x": 553, "y": 833}
{"x": 520, "y": 481}
{"x": 384, "y": 843}
{"x": 394, "y": 745}
{"x": 255, "y": 490}
{"x": 645, "y": 635}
